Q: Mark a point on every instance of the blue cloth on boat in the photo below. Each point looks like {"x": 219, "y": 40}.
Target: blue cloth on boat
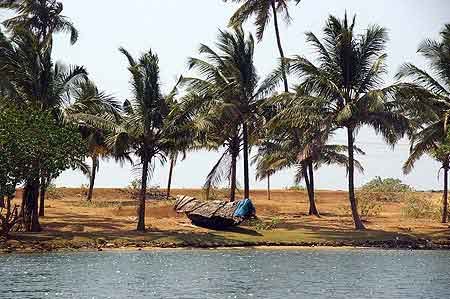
{"x": 244, "y": 208}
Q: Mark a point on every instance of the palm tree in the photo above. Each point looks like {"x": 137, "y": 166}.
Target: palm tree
{"x": 216, "y": 128}
{"x": 146, "y": 129}
{"x": 228, "y": 79}
{"x": 41, "y": 17}
{"x": 344, "y": 89}
{"x": 264, "y": 10}
{"x": 428, "y": 99}
{"x": 89, "y": 101}
{"x": 290, "y": 146}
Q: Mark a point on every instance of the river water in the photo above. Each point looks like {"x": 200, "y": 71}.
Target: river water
{"x": 308, "y": 273}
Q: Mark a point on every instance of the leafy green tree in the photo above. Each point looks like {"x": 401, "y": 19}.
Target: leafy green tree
{"x": 264, "y": 10}
{"x": 34, "y": 80}
{"x": 427, "y": 98}
{"x": 26, "y": 136}
{"x": 344, "y": 89}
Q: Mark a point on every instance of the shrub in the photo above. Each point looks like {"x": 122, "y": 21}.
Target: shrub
{"x": 84, "y": 189}
{"x": 261, "y": 225}
{"x": 296, "y": 187}
{"x": 9, "y": 217}
{"x": 368, "y": 203}
{"x": 386, "y": 189}
{"x": 421, "y": 206}
{"x": 53, "y": 192}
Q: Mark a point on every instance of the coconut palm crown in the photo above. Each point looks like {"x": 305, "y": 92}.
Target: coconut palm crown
{"x": 427, "y": 98}
{"x": 345, "y": 90}
{"x": 264, "y": 11}
{"x": 228, "y": 84}
{"x": 41, "y": 17}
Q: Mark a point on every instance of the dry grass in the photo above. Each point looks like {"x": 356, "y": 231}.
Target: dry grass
{"x": 112, "y": 216}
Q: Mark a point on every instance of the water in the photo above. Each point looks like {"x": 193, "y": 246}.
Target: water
{"x": 228, "y": 274}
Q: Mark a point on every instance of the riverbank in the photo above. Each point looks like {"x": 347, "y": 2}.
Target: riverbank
{"x": 108, "y": 223}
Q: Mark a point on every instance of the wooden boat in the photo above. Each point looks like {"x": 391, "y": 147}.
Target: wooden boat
{"x": 215, "y": 214}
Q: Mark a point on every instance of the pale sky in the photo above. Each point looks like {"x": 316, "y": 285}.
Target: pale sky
{"x": 175, "y": 28}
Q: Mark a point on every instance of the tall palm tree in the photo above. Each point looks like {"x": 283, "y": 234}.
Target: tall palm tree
{"x": 287, "y": 146}
{"x": 344, "y": 89}
{"x": 264, "y": 10}
{"x": 146, "y": 128}
{"x": 229, "y": 79}
{"x": 88, "y": 101}
{"x": 41, "y": 17}
{"x": 428, "y": 99}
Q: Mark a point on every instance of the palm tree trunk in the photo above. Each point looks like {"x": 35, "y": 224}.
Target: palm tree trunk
{"x": 233, "y": 176}
{"x": 246, "y": 174}
{"x": 280, "y": 48}
{"x": 143, "y": 194}
{"x": 92, "y": 178}
{"x": 169, "y": 183}
{"x": 43, "y": 189}
{"x": 312, "y": 202}
{"x": 268, "y": 186}
{"x": 445, "y": 201}
{"x": 351, "y": 181}
{"x": 307, "y": 181}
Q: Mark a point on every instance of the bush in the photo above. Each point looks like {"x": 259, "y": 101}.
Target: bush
{"x": 261, "y": 225}
{"x": 133, "y": 189}
{"x": 385, "y": 189}
{"x": 421, "y": 206}
{"x": 368, "y": 203}
{"x": 9, "y": 218}
{"x": 53, "y": 192}
{"x": 296, "y": 187}
{"x": 84, "y": 189}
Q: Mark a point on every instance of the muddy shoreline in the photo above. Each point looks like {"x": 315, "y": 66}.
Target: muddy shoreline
{"x": 14, "y": 246}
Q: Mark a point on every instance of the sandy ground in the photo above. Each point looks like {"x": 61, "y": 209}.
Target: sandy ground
{"x": 111, "y": 218}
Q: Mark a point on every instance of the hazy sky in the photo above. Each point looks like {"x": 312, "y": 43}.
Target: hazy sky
{"x": 175, "y": 28}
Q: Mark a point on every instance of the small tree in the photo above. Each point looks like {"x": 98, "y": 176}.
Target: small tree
{"x": 30, "y": 142}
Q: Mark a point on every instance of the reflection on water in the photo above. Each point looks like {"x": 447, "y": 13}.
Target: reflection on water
{"x": 228, "y": 274}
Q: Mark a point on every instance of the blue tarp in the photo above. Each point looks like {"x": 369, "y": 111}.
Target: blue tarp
{"x": 244, "y": 208}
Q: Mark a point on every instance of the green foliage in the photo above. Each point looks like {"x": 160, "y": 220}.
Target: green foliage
{"x": 134, "y": 188}
{"x": 84, "y": 190}
{"x": 418, "y": 205}
{"x": 386, "y": 185}
{"x": 43, "y": 18}
{"x": 226, "y": 98}
{"x": 31, "y": 141}
{"x": 261, "y": 225}
{"x": 296, "y": 187}
{"x": 53, "y": 192}
{"x": 427, "y": 96}
{"x": 262, "y": 10}
{"x": 388, "y": 189}
{"x": 369, "y": 205}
